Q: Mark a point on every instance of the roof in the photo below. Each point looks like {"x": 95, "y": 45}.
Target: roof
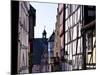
{"x": 32, "y": 9}
{"x": 39, "y": 45}
{"x": 44, "y": 32}
{"x": 52, "y": 37}
{"x": 32, "y": 12}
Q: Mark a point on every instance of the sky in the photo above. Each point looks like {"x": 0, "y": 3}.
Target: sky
{"x": 45, "y": 18}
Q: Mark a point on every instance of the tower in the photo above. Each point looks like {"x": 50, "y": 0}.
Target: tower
{"x": 44, "y": 33}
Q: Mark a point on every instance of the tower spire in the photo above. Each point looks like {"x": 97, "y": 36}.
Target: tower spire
{"x": 44, "y": 33}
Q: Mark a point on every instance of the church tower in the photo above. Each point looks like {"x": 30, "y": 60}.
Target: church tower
{"x": 44, "y": 34}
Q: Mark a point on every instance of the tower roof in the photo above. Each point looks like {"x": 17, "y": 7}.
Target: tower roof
{"x": 44, "y": 32}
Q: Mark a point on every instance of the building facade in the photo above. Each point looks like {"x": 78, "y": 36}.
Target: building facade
{"x": 61, "y": 12}
{"x": 32, "y": 23}
{"x": 40, "y": 54}
{"x": 80, "y": 37}
{"x": 73, "y": 38}
{"x": 57, "y": 37}
{"x": 44, "y": 58}
{"x": 23, "y": 22}
{"x": 77, "y": 33}
{"x": 23, "y": 38}
{"x": 51, "y": 52}
{"x": 89, "y": 37}
{"x": 57, "y": 43}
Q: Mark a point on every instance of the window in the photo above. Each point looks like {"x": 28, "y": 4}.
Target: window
{"x": 89, "y": 41}
{"x": 67, "y": 13}
{"x": 77, "y": 62}
{"x": 78, "y": 18}
{"x": 74, "y": 32}
{"x": 80, "y": 26}
{"x": 71, "y": 21}
{"x": 89, "y": 44}
{"x": 73, "y": 6}
{"x": 68, "y": 36}
{"x": 73, "y": 17}
{"x": 70, "y": 8}
{"x": 74, "y": 47}
{"x": 79, "y": 46}
{"x": 74, "y": 63}
{"x": 66, "y": 25}
{"x": 66, "y": 49}
{"x": 80, "y": 62}
{"x": 70, "y": 51}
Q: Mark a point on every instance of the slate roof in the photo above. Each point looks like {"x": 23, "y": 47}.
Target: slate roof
{"x": 39, "y": 45}
{"x": 52, "y": 37}
{"x": 32, "y": 10}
